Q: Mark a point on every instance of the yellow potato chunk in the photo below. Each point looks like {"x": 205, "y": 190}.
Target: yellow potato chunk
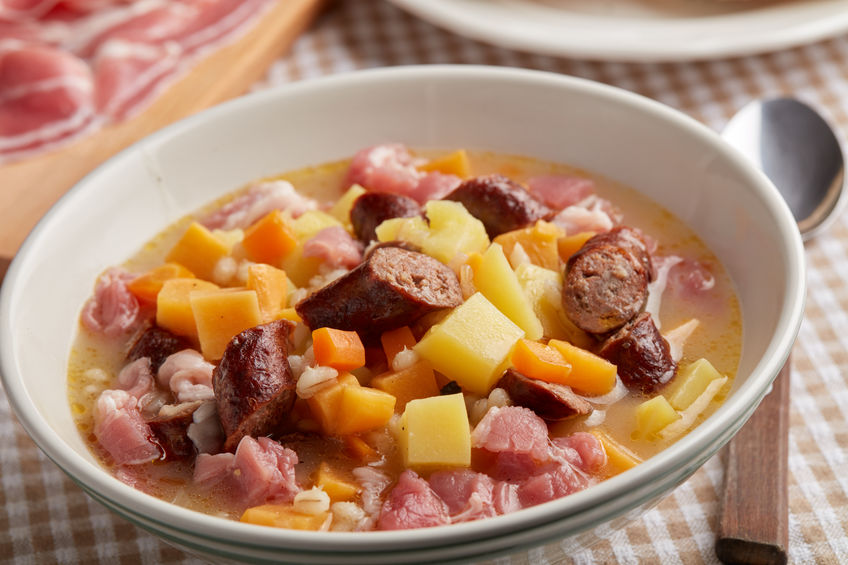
{"x": 341, "y": 209}
{"x": 173, "y": 309}
{"x": 412, "y": 230}
{"x": 299, "y": 268}
{"x": 471, "y": 345}
{"x": 311, "y": 222}
{"x": 453, "y": 231}
{"x": 199, "y": 251}
{"x": 435, "y": 432}
{"x": 270, "y": 285}
{"x": 283, "y": 516}
{"x": 539, "y": 242}
{"x": 415, "y": 381}
{"x": 220, "y": 315}
{"x": 362, "y": 409}
{"x": 590, "y": 374}
{"x": 338, "y": 489}
{"x": 653, "y": 415}
{"x": 497, "y": 281}
{"x": 690, "y": 383}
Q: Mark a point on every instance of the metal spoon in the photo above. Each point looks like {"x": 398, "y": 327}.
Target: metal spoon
{"x": 799, "y": 152}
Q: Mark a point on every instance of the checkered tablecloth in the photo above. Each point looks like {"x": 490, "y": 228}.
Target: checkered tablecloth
{"x": 45, "y": 518}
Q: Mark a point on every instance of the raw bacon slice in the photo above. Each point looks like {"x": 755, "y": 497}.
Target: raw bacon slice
{"x": 46, "y": 96}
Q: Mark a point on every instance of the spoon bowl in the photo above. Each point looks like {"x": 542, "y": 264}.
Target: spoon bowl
{"x": 798, "y": 150}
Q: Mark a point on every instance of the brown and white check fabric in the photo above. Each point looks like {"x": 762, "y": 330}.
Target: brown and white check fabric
{"x": 45, "y": 518}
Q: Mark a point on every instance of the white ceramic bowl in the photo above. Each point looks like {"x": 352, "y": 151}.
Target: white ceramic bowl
{"x": 667, "y": 156}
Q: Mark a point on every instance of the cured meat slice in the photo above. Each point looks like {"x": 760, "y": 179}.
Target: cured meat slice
{"x": 16, "y": 10}
{"x": 46, "y": 96}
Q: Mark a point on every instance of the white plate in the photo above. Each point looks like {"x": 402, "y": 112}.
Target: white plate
{"x": 638, "y": 30}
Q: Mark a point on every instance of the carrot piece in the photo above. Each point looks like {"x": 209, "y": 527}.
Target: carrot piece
{"x": 270, "y": 239}
{"x": 569, "y": 244}
{"x": 146, "y": 286}
{"x": 416, "y": 381}
{"x": 283, "y": 516}
{"x": 618, "y": 457}
{"x": 539, "y": 361}
{"x": 337, "y": 488}
{"x": 590, "y": 373}
{"x": 394, "y": 341}
{"x": 359, "y": 449}
{"x": 339, "y": 349}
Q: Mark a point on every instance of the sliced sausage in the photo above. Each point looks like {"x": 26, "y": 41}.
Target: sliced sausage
{"x": 392, "y": 288}
{"x": 373, "y": 208}
{"x": 632, "y": 241}
{"x": 500, "y": 203}
{"x": 170, "y": 427}
{"x": 550, "y": 401}
{"x": 606, "y": 282}
{"x": 253, "y": 383}
{"x": 156, "y": 344}
{"x": 641, "y": 354}
{"x": 393, "y": 243}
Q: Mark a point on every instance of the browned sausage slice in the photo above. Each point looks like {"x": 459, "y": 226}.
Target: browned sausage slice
{"x": 392, "y": 288}
{"x": 550, "y": 401}
{"x": 253, "y": 383}
{"x": 641, "y": 354}
{"x": 156, "y": 344}
{"x": 500, "y": 203}
{"x": 606, "y": 282}
{"x": 372, "y": 208}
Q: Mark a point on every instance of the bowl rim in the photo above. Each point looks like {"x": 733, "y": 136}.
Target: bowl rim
{"x": 729, "y": 417}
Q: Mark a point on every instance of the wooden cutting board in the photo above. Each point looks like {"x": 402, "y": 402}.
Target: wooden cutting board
{"x": 29, "y": 187}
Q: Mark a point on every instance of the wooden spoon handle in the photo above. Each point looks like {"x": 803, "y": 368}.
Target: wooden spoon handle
{"x": 753, "y": 526}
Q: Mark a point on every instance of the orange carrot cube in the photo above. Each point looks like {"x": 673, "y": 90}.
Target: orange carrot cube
{"x": 539, "y": 361}
{"x": 269, "y": 240}
{"x": 339, "y": 349}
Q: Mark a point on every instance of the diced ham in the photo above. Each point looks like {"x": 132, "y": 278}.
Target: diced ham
{"x": 589, "y": 215}
{"x": 468, "y": 494}
{"x": 384, "y": 168}
{"x": 335, "y": 247}
{"x": 113, "y": 310}
{"x": 121, "y": 430}
{"x": 560, "y": 191}
{"x": 512, "y": 429}
{"x": 412, "y": 504}
{"x": 505, "y": 497}
{"x": 434, "y": 186}
{"x": 260, "y": 199}
{"x": 46, "y": 97}
{"x": 583, "y": 450}
{"x": 560, "y": 481}
{"x": 690, "y": 278}
{"x": 262, "y": 471}
{"x": 188, "y": 375}
{"x": 391, "y": 168}
{"x": 91, "y": 5}
{"x": 136, "y": 378}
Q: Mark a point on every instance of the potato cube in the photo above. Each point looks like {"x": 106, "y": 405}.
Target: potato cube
{"x": 311, "y": 222}
{"x": 453, "y": 231}
{"x": 341, "y": 209}
{"x": 299, "y": 268}
{"x": 173, "y": 309}
{"x": 336, "y": 488}
{"x": 199, "y": 251}
{"x": 497, "y": 281}
{"x": 412, "y": 230}
{"x": 270, "y": 239}
{"x": 270, "y": 285}
{"x": 416, "y": 381}
{"x": 539, "y": 241}
{"x": 455, "y": 163}
{"x": 471, "y": 345}
{"x": 435, "y": 432}
{"x": 543, "y": 288}
{"x": 653, "y": 415}
{"x": 590, "y": 374}
{"x": 283, "y": 516}
{"x": 220, "y": 315}
{"x": 362, "y": 409}
{"x": 690, "y": 383}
